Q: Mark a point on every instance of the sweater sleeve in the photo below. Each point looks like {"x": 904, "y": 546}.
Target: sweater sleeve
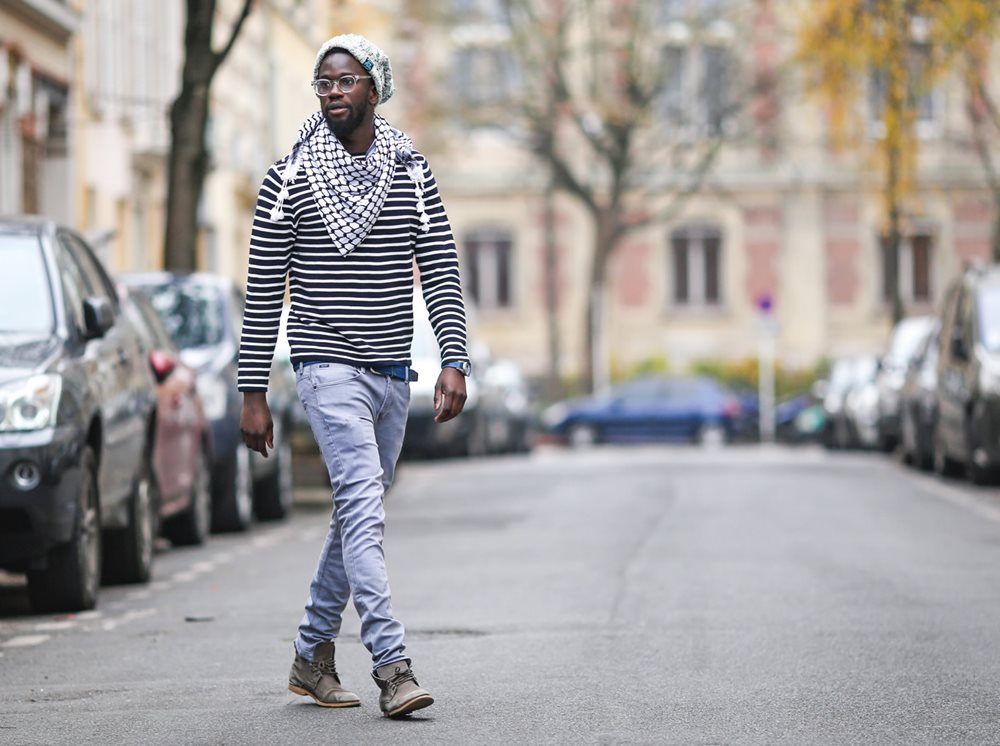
{"x": 270, "y": 255}
{"x": 440, "y": 281}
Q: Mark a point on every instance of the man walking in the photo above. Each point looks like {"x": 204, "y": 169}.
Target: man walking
{"x": 343, "y": 216}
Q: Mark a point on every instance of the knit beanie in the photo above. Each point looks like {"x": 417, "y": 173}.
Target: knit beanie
{"x": 372, "y": 59}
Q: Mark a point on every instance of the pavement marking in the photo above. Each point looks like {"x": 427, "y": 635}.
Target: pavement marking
{"x": 129, "y": 616}
{"x": 54, "y": 626}
{"x": 141, "y": 595}
{"x": 24, "y": 641}
{"x": 955, "y": 496}
{"x": 185, "y": 576}
{"x": 84, "y": 616}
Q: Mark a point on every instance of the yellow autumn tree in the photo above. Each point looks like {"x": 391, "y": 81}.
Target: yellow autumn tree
{"x": 882, "y": 57}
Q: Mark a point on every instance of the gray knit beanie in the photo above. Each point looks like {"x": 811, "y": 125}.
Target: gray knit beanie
{"x": 372, "y": 59}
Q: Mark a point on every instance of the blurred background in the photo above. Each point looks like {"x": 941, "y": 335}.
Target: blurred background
{"x": 738, "y": 189}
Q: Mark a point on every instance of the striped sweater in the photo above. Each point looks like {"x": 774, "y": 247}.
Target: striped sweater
{"x": 355, "y": 309}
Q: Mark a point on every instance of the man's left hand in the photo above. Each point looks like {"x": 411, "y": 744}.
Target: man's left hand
{"x": 449, "y": 394}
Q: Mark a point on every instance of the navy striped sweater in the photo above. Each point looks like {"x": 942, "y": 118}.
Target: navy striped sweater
{"x": 355, "y": 309}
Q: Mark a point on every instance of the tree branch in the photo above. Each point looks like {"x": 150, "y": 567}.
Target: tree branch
{"x": 219, "y": 57}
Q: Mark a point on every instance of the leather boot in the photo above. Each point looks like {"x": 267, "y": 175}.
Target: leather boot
{"x": 318, "y": 679}
{"x": 401, "y": 694}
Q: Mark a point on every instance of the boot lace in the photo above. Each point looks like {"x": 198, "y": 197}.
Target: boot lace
{"x": 401, "y": 678}
{"x": 327, "y": 667}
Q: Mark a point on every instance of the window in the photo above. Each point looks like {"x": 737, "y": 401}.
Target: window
{"x": 697, "y": 70}
{"x": 926, "y": 107}
{"x": 480, "y": 11}
{"x": 488, "y": 255}
{"x": 484, "y": 75}
{"x": 696, "y": 262}
{"x": 913, "y": 265}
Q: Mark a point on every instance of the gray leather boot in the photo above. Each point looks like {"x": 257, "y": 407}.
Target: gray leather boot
{"x": 401, "y": 694}
{"x": 318, "y": 679}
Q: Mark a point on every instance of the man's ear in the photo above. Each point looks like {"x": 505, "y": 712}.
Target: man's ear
{"x": 373, "y": 96}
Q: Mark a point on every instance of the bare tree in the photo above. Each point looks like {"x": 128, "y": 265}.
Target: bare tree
{"x": 589, "y": 100}
{"x": 189, "y": 161}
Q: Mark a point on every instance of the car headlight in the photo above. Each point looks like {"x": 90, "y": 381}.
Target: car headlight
{"x": 213, "y": 392}
{"x": 30, "y": 404}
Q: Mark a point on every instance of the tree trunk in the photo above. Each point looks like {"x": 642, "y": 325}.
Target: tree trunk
{"x": 554, "y": 383}
{"x": 186, "y": 172}
{"x": 188, "y": 162}
{"x": 594, "y": 367}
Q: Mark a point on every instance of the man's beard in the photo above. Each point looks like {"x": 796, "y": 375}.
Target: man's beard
{"x": 344, "y": 127}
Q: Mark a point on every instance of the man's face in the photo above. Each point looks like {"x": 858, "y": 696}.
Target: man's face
{"x": 345, "y": 111}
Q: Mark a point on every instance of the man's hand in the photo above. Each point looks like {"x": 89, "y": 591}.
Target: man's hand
{"x": 449, "y": 394}
{"x": 256, "y": 427}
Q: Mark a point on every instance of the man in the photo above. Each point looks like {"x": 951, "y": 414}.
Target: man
{"x": 343, "y": 216}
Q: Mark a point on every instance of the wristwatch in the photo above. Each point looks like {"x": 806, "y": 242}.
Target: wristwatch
{"x": 463, "y": 366}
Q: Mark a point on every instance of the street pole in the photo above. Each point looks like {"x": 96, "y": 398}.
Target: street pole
{"x": 766, "y": 339}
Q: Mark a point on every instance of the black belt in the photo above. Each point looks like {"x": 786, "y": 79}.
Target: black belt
{"x": 399, "y": 372}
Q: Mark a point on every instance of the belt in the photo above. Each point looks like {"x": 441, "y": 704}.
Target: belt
{"x": 399, "y": 372}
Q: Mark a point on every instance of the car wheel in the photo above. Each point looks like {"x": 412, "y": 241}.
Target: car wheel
{"x": 711, "y": 434}
{"x": 192, "y": 526}
{"x": 272, "y": 495}
{"x": 976, "y": 473}
{"x": 582, "y": 435}
{"x": 943, "y": 463}
{"x": 72, "y": 575}
{"x": 232, "y": 504}
{"x": 128, "y": 552}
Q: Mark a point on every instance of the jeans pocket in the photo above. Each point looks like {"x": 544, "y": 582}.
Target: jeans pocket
{"x": 322, "y": 375}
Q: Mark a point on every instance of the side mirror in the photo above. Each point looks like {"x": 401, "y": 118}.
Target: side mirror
{"x": 958, "y": 349}
{"x": 98, "y": 317}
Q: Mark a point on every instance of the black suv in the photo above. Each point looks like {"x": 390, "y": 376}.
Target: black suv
{"x": 968, "y": 377}
{"x": 77, "y": 407}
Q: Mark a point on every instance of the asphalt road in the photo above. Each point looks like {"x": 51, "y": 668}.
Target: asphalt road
{"x": 650, "y": 595}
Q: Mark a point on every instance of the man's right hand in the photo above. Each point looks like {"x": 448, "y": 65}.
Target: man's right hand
{"x": 256, "y": 426}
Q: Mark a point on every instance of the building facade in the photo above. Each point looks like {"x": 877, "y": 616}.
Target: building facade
{"x": 36, "y": 84}
{"x": 783, "y": 219}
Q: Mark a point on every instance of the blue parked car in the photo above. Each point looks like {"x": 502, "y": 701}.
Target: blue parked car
{"x": 692, "y": 409}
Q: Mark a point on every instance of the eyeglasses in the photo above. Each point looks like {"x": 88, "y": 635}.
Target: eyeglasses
{"x": 346, "y": 83}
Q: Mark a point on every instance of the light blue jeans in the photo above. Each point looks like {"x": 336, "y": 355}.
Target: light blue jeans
{"x": 358, "y": 418}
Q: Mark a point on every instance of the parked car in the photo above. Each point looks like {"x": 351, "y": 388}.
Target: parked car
{"x": 968, "y": 376}
{"x": 510, "y": 423}
{"x": 861, "y": 404}
{"x": 695, "y": 409}
{"x": 77, "y": 403}
{"x": 204, "y": 313}
{"x": 918, "y": 402}
{"x": 181, "y": 448}
{"x": 903, "y": 344}
{"x": 465, "y": 435}
{"x": 850, "y": 402}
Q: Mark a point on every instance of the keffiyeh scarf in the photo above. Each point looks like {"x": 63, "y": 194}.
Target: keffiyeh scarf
{"x": 348, "y": 190}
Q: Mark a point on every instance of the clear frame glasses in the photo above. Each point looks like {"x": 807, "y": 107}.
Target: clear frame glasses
{"x": 345, "y": 84}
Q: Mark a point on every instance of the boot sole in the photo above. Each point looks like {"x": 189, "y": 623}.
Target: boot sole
{"x": 417, "y": 703}
{"x": 306, "y": 693}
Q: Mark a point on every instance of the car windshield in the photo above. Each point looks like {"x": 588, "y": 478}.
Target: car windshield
{"x": 906, "y": 341}
{"x": 989, "y": 317}
{"x": 24, "y": 287}
{"x": 193, "y": 314}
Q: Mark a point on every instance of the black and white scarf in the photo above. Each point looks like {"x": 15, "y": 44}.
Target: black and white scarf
{"x": 348, "y": 190}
